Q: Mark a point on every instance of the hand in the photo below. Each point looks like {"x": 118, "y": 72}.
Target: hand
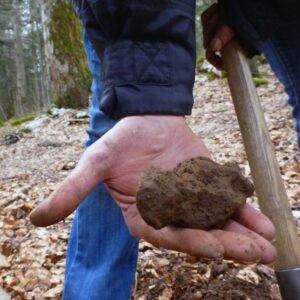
{"x": 119, "y": 158}
{"x": 216, "y": 35}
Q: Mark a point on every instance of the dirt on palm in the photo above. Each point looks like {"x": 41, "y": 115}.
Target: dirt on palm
{"x": 198, "y": 193}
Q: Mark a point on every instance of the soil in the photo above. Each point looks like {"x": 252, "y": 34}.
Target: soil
{"x": 183, "y": 278}
{"x": 198, "y": 193}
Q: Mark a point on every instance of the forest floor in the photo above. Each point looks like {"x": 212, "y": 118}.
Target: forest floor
{"x": 32, "y": 260}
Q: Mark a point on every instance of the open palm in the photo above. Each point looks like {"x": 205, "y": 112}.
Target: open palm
{"x": 119, "y": 158}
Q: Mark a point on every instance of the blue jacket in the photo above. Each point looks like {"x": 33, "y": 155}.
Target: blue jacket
{"x": 147, "y": 49}
{"x": 256, "y": 20}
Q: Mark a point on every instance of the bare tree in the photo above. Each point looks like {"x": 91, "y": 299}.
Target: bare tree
{"x": 19, "y": 59}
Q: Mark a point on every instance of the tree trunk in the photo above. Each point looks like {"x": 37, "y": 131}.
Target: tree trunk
{"x": 65, "y": 58}
{"x": 3, "y": 116}
{"x": 20, "y": 62}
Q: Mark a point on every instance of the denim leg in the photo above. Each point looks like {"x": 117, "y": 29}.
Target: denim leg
{"x": 282, "y": 51}
{"x": 102, "y": 255}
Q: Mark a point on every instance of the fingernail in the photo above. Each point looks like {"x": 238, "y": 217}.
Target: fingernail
{"x": 249, "y": 262}
{"x": 216, "y": 44}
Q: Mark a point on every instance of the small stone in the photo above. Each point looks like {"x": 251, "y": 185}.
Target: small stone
{"x": 12, "y": 138}
{"x": 198, "y": 193}
{"x": 81, "y": 115}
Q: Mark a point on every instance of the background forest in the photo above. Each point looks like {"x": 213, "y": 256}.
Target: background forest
{"x": 42, "y": 65}
{"x": 42, "y": 58}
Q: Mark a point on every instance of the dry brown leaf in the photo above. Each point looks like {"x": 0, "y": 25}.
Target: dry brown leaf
{"x": 4, "y": 263}
{"x": 166, "y": 294}
{"x": 35, "y": 258}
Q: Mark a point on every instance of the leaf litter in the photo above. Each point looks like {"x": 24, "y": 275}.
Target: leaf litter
{"x": 32, "y": 260}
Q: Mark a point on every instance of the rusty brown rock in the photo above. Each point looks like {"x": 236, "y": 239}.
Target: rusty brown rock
{"x": 198, "y": 193}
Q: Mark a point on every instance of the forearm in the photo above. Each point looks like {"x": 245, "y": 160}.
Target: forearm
{"x": 147, "y": 50}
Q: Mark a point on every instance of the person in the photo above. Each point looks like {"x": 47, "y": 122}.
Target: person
{"x": 100, "y": 248}
{"x": 147, "y": 50}
{"x": 268, "y": 27}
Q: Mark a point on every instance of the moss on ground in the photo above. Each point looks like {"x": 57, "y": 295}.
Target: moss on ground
{"x": 258, "y": 81}
{"x": 25, "y": 130}
{"x": 21, "y": 120}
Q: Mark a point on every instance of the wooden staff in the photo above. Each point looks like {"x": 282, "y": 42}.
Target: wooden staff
{"x": 265, "y": 171}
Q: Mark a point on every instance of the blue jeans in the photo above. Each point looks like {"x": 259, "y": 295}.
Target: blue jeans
{"x": 282, "y": 51}
{"x": 102, "y": 255}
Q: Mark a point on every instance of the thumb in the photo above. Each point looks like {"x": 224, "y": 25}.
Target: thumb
{"x": 223, "y": 36}
{"x": 89, "y": 172}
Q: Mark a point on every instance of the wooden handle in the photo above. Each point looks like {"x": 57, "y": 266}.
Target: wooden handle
{"x": 265, "y": 171}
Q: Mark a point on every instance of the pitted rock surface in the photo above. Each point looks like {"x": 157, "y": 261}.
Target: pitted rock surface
{"x": 198, "y": 193}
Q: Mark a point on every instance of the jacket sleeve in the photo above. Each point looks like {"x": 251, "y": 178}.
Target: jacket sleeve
{"x": 256, "y": 20}
{"x": 147, "y": 49}
{"x": 288, "y": 9}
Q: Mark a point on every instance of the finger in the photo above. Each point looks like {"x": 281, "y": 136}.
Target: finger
{"x": 207, "y": 14}
{"x": 238, "y": 247}
{"x": 256, "y": 221}
{"x": 214, "y": 59}
{"x": 210, "y": 30}
{"x": 268, "y": 251}
{"x": 73, "y": 190}
{"x": 198, "y": 243}
{"x": 222, "y": 37}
